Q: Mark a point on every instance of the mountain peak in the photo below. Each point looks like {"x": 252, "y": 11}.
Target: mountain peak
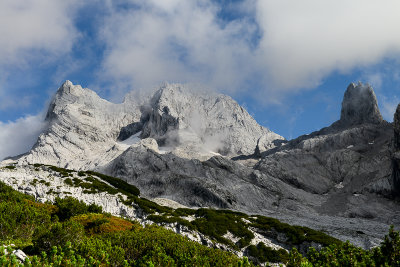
{"x": 359, "y": 106}
{"x": 181, "y": 116}
{"x": 68, "y": 88}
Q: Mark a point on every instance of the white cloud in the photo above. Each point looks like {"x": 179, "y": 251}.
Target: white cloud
{"x": 177, "y": 40}
{"x": 32, "y": 27}
{"x": 374, "y": 79}
{"x": 275, "y": 46}
{"x": 33, "y": 34}
{"x": 19, "y": 136}
{"x": 388, "y": 106}
{"x": 304, "y": 41}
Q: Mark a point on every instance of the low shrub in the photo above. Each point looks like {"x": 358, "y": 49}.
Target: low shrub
{"x": 266, "y": 254}
{"x": 101, "y": 223}
{"x": 346, "y": 254}
{"x": 10, "y": 167}
{"x": 69, "y": 207}
{"x": 59, "y": 234}
{"x": 295, "y": 234}
{"x": 118, "y": 183}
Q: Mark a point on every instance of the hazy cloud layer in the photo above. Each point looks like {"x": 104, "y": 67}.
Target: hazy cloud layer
{"x": 19, "y": 136}
{"x": 177, "y": 41}
{"x": 303, "y": 41}
{"x": 276, "y": 46}
{"x": 35, "y": 28}
{"x": 33, "y": 33}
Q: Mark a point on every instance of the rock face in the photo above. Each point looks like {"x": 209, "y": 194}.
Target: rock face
{"x": 85, "y": 131}
{"x": 348, "y": 164}
{"x": 82, "y": 129}
{"x": 396, "y": 128}
{"x": 359, "y": 106}
{"x": 396, "y": 150}
{"x": 179, "y": 117}
{"x": 354, "y": 148}
{"x": 340, "y": 174}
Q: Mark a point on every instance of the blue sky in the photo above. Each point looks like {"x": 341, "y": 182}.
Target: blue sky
{"x": 287, "y": 62}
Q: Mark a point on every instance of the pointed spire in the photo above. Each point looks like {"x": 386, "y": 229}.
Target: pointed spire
{"x": 359, "y": 106}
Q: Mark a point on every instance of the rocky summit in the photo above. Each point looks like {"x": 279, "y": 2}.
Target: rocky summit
{"x": 359, "y": 106}
{"x": 205, "y": 150}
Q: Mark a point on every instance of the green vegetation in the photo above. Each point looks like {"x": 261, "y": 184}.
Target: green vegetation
{"x": 62, "y": 171}
{"x": 69, "y": 207}
{"x": 95, "y": 223}
{"x": 146, "y": 205}
{"x": 44, "y": 182}
{"x": 295, "y": 234}
{"x": 71, "y": 233}
{"x": 21, "y": 217}
{"x": 10, "y": 167}
{"x": 93, "y": 185}
{"x": 216, "y": 223}
{"x": 123, "y": 186}
{"x": 346, "y": 254}
{"x": 262, "y": 253}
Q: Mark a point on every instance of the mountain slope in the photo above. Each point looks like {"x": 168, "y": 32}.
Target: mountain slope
{"x": 82, "y": 129}
{"x": 204, "y": 122}
{"x": 338, "y": 179}
{"x": 340, "y": 175}
{"x": 87, "y": 132}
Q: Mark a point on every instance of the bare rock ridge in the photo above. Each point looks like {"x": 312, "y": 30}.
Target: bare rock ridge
{"x": 179, "y": 117}
{"x": 85, "y": 131}
{"x": 348, "y": 164}
{"x": 82, "y": 129}
{"x": 349, "y": 149}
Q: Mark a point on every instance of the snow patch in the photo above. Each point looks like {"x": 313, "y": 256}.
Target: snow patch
{"x": 134, "y": 139}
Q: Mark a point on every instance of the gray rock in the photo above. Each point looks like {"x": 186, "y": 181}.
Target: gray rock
{"x": 82, "y": 129}
{"x": 178, "y": 116}
{"x": 396, "y": 150}
{"x": 21, "y": 256}
{"x": 359, "y": 106}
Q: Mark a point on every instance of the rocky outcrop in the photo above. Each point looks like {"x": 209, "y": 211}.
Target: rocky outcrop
{"x": 207, "y": 122}
{"x": 359, "y": 106}
{"x": 348, "y": 163}
{"x": 354, "y": 151}
{"x": 396, "y": 150}
{"x": 87, "y": 132}
{"x": 82, "y": 129}
{"x": 356, "y": 159}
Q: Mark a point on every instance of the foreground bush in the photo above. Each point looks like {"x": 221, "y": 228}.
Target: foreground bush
{"x": 69, "y": 207}
{"x": 346, "y": 254}
{"x": 72, "y": 233}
